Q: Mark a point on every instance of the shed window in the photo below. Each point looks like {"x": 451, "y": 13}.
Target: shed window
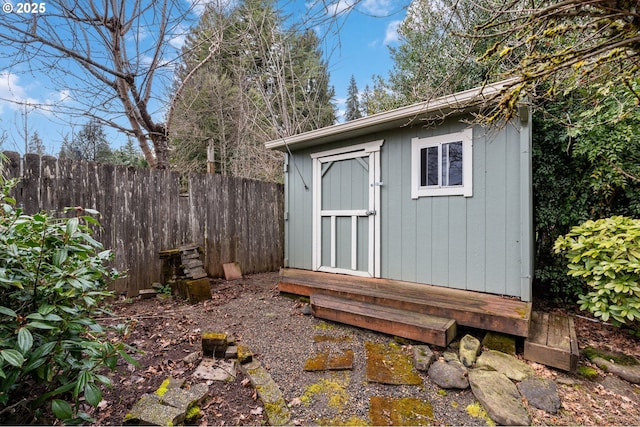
{"x": 441, "y": 165}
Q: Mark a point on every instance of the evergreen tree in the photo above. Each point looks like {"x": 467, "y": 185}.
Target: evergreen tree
{"x": 353, "y": 110}
{"x": 129, "y": 155}
{"x": 246, "y": 80}
{"x": 36, "y": 146}
{"x": 90, "y": 143}
{"x": 436, "y": 55}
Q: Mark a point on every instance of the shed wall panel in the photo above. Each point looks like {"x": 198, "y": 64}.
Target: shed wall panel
{"x": 454, "y": 241}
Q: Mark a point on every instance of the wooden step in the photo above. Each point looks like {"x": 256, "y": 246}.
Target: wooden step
{"x": 467, "y": 308}
{"x": 416, "y": 326}
{"x": 552, "y": 341}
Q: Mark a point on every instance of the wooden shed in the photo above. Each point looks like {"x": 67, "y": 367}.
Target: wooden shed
{"x": 417, "y": 203}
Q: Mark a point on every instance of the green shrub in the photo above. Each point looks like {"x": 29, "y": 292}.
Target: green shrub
{"x": 606, "y": 254}
{"x": 53, "y": 281}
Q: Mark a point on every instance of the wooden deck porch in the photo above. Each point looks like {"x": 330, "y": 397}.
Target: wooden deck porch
{"x": 467, "y": 308}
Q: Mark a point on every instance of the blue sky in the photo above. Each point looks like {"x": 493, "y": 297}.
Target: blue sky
{"x": 354, "y": 44}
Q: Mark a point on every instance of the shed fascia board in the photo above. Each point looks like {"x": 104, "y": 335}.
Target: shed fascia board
{"x": 468, "y": 99}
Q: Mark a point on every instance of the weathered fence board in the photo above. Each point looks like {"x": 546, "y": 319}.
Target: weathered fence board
{"x": 144, "y": 212}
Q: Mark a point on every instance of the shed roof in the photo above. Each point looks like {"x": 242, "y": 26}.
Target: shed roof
{"x": 400, "y": 117}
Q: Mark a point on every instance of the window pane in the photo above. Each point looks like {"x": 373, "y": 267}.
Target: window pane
{"x": 452, "y": 164}
{"x": 428, "y": 166}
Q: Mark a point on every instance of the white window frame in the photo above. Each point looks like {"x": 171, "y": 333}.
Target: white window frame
{"x": 466, "y": 189}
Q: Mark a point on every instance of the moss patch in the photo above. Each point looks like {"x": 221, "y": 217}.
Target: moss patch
{"x": 477, "y": 411}
{"x": 587, "y": 372}
{"x": 619, "y": 358}
{"x": 500, "y": 342}
{"x": 329, "y": 338}
{"x": 387, "y": 411}
{"x": 389, "y": 364}
{"x": 333, "y": 391}
{"x": 327, "y": 360}
{"x": 318, "y": 362}
{"x": 324, "y": 326}
{"x": 162, "y": 390}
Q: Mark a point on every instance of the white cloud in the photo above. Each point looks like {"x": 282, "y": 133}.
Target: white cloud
{"x": 12, "y": 93}
{"x": 339, "y": 7}
{"x": 377, "y": 7}
{"x": 391, "y": 33}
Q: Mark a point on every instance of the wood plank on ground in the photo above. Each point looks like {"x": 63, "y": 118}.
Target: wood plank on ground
{"x": 417, "y": 326}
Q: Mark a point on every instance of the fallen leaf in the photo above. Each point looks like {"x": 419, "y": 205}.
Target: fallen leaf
{"x": 257, "y": 411}
{"x": 245, "y": 382}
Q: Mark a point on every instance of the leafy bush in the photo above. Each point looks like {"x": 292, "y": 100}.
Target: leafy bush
{"x": 606, "y": 254}
{"x": 53, "y": 282}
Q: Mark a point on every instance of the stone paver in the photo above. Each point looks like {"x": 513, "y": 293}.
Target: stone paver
{"x": 499, "y": 397}
{"x": 275, "y": 407}
{"x": 510, "y": 366}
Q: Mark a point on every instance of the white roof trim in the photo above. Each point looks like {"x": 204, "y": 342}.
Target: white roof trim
{"x": 394, "y": 118}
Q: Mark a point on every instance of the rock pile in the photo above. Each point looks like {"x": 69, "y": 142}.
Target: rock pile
{"x": 492, "y": 376}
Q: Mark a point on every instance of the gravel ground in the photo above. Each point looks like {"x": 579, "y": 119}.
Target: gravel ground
{"x": 282, "y": 338}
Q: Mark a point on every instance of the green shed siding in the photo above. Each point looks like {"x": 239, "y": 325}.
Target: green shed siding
{"x": 468, "y": 243}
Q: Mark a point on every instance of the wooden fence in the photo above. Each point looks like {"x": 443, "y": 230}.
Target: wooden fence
{"x": 145, "y": 211}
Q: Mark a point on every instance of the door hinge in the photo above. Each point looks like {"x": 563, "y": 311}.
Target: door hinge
{"x": 377, "y": 184}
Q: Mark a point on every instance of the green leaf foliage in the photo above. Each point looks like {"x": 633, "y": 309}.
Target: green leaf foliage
{"x": 606, "y": 255}
{"x": 53, "y": 283}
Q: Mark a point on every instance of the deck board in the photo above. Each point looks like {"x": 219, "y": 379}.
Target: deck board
{"x": 416, "y": 326}
{"x": 468, "y": 308}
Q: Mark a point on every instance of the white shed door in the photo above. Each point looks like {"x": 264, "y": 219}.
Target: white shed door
{"x": 346, "y": 210}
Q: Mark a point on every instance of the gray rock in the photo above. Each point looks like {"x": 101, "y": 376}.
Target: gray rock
{"x": 469, "y": 349}
{"x": 216, "y": 370}
{"x": 191, "y": 357}
{"x": 506, "y": 364}
{"x": 499, "y": 397}
{"x": 620, "y": 387}
{"x": 626, "y": 372}
{"x": 422, "y": 357}
{"x": 449, "y": 373}
{"x": 149, "y": 411}
{"x": 306, "y": 309}
{"x": 541, "y": 393}
{"x": 568, "y": 381}
{"x": 183, "y": 399}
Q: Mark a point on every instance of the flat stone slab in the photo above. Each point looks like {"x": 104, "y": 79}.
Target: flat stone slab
{"x": 541, "y": 393}
{"x": 388, "y": 411}
{"x": 275, "y": 407}
{"x": 183, "y": 399}
{"x": 499, "y": 397}
{"x": 168, "y": 405}
{"x": 389, "y": 364}
{"x": 330, "y": 360}
{"x": 232, "y": 271}
{"x": 148, "y": 410}
{"x": 216, "y": 370}
{"x": 505, "y": 363}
